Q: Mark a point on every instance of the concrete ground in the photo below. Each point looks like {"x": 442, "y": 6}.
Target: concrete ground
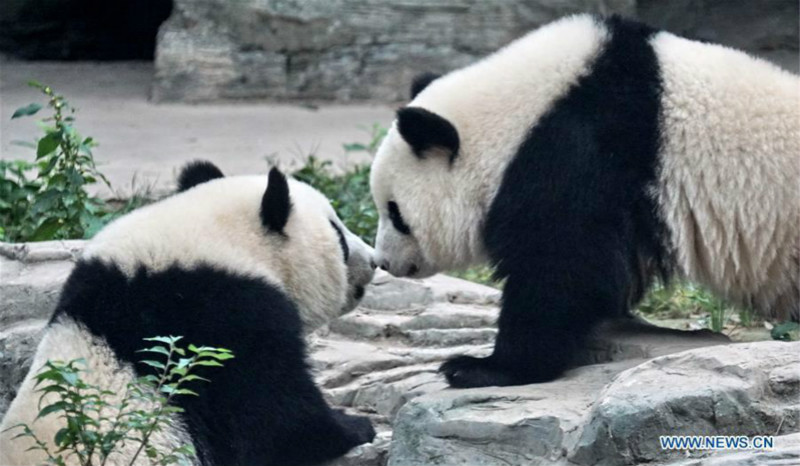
{"x": 148, "y": 142}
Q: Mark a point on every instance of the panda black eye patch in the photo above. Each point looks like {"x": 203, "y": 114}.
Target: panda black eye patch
{"x": 397, "y": 219}
{"x": 342, "y": 241}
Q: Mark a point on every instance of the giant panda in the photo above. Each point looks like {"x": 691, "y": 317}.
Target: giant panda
{"x": 249, "y": 263}
{"x": 582, "y": 161}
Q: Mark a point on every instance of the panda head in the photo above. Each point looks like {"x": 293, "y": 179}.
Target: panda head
{"x": 427, "y": 188}
{"x": 271, "y": 227}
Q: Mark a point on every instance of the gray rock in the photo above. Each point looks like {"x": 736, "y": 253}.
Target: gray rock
{"x": 498, "y": 425}
{"x": 371, "y": 454}
{"x": 348, "y": 50}
{"x": 335, "y": 49}
{"x": 739, "y": 389}
{"x": 17, "y": 347}
{"x": 381, "y": 361}
{"x": 31, "y": 276}
{"x": 767, "y": 29}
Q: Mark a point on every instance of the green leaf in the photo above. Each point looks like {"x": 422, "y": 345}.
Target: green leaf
{"x": 52, "y": 389}
{"x": 46, "y": 168}
{"x": 191, "y": 377}
{"x": 169, "y": 388}
{"x": 155, "y": 364}
{"x": 47, "y": 230}
{"x": 27, "y": 110}
{"x": 186, "y": 391}
{"x": 24, "y": 426}
{"x": 784, "y": 331}
{"x": 45, "y": 202}
{"x": 74, "y": 177}
{"x": 207, "y": 363}
{"x": 168, "y": 340}
{"x": 355, "y": 147}
{"x": 47, "y": 144}
{"x": 183, "y": 362}
{"x": 71, "y": 378}
{"x": 51, "y": 408}
{"x": 155, "y": 349}
{"x": 61, "y": 437}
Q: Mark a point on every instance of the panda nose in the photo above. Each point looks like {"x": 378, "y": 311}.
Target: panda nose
{"x": 373, "y": 264}
{"x": 385, "y": 265}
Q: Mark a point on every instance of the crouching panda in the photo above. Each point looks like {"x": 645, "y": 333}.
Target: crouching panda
{"x": 583, "y": 160}
{"x": 249, "y": 263}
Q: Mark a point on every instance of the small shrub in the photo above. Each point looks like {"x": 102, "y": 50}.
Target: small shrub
{"x": 684, "y": 300}
{"x": 786, "y": 331}
{"x": 91, "y": 434}
{"x": 349, "y": 195}
{"x": 47, "y": 199}
{"x": 349, "y": 192}
{"x": 482, "y": 274}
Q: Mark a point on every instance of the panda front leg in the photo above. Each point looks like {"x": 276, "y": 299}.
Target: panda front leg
{"x": 545, "y": 317}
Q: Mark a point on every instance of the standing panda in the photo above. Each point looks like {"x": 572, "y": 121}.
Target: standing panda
{"x": 583, "y": 160}
{"x": 247, "y": 263}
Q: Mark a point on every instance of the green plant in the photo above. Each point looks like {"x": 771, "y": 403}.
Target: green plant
{"x": 96, "y": 427}
{"x": 482, "y": 274}
{"x": 786, "y": 331}
{"x": 54, "y": 204}
{"x": 683, "y": 300}
{"x": 377, "y": 133}
{"x": 349, "y": 192}
{"x": 349, "y": 195}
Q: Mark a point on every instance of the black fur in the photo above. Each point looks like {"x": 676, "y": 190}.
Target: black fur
{"x": 424, "y": 130}
{"x": 397, "y": 219}
{"x": 573, "y": 228}
{"x": 263, "y": 406}
{"x": 421, "y": 81}
{"x": 276, "y": 205}
{"x": 342, "y": 242}
{"x": 197, "y": 172}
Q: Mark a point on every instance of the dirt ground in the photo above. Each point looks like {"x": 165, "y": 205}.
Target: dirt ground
{"x": 148, "y": 142}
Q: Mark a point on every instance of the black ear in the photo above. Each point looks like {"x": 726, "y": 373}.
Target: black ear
{"x": 421, "y": 81}
{"x": 197, "y": 172}
{"x": 424, "y": 130}
{"x": 276, "y": 205}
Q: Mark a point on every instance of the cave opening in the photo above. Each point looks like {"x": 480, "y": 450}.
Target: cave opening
{"x": 81, "y": 29}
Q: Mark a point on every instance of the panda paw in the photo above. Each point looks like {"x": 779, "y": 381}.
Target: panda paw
{"x": 469, "y": 372}
{"x": 359, "y": 428}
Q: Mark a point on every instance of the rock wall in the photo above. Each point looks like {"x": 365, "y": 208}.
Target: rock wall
{"x": 381, "y": 360}
{"x": 347, "y": 50}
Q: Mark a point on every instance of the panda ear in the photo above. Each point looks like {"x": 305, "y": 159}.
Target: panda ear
{"x": 421, "y": 81}
{"x": 275, "y": 204}
{"x": 197, "y": 172}
{"x": 424, "y": 130}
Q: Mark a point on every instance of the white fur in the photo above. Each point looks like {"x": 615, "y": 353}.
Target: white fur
{"x": 730, "y": 178}
{"x": 729, "y": 187}
{"x": 66, "y": 341}
{"x": 218, "y": 223}
{"x": 215, "y": 223}
{"x": 445, "y": 206}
